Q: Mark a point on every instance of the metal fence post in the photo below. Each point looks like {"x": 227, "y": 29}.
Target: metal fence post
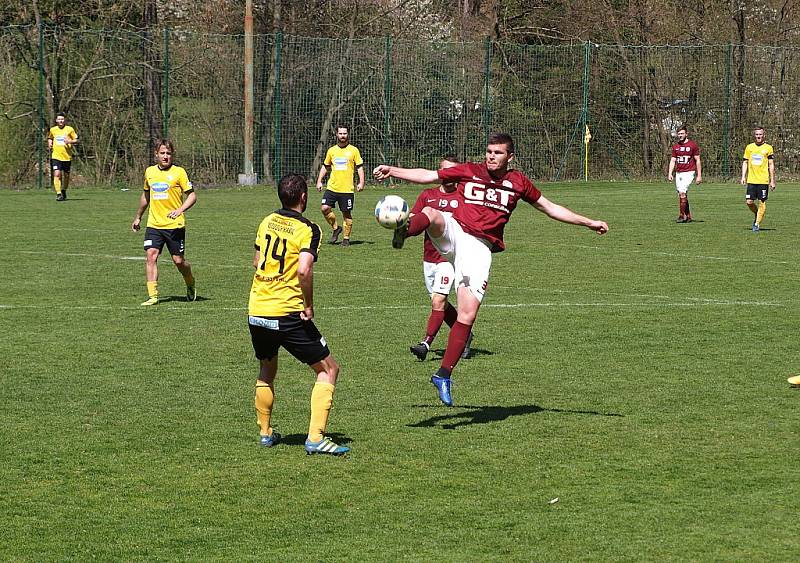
{"x": 726, "y": 133}
{"x": 387, "y": 94}
{"x": 487, "y": 115}
{"x": 277, "y": 111}
{"x": 166, "y": 82}
{"x": 585, "y": 106}
{"x": 40, "y": 141}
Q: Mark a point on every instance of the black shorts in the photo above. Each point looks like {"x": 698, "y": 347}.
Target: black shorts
{"x": 757, "y": 191}
{"x": 345, "y": 201}
{"x": 63, "y": 165}
{"x": 175, "y": 239}
{"x": 300, "y": 338}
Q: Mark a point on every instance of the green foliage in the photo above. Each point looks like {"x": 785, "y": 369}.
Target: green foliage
{"x": 405, "y": 102}
{"x": 639, "y": 378}
{"x": 18, "y": 139}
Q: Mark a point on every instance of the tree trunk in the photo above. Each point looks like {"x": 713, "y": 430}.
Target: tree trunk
{"x": 264, "y": 116}
{"x": 152, "y": 77}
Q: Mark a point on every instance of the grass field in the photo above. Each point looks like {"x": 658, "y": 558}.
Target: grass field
{"x": 639, "y": 378}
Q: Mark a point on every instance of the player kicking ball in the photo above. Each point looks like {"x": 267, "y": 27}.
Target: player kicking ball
{"x": 438, "y": 272}
{"x": 468, "y": 238}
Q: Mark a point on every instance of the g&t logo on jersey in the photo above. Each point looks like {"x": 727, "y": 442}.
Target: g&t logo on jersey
{"x": 479, "y": 194}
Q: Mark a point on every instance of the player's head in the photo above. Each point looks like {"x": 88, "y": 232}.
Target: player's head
{"x": 682, "y": 133}
{"x": 165, "y": 152}
{"x": 759, "y": 134}
{"x": 499, "y": 152}
{"x": 293, "y": 192}
{"x": 448, "y": 161}
{"x": 61, "y": 119}
{"x": 342, "y": 134}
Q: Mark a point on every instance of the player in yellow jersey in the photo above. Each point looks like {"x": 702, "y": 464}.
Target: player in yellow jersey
{"x": 281, "y": 313}
{"x": 341, "y": 161}
{"x": 758, "y": 173}
{"x": 61, "y": 140}
{"x": 165, "y": 186}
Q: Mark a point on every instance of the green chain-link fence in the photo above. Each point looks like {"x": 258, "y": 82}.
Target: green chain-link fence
{"x": 406, "y": 103}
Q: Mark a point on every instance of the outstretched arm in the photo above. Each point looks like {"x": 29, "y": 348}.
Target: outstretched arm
{"x": 413, "y": 175}
{"x": 561, "y": 213}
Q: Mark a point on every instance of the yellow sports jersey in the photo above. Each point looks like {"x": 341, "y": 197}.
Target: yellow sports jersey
{"x": 166, "y": 189}
{"x": 757, "y": 157}
{"x": 61, "y": 150}
{"x": 281, "y": 237}
{"x": 343, "y": 162}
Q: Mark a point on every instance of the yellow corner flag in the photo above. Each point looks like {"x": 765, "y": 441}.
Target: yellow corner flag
{"x": 586, "y": 138}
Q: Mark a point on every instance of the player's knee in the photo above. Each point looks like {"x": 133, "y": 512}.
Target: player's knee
{"x": 438, "y": 302}
{"x": 330, "y": 370}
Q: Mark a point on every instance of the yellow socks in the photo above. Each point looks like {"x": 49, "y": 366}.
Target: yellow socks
{"x": 57, "y": 184}
{"x": 321, "y": 402}
{"x": 152, "y": 289}
{"x": 330, "y": 217}
{"x": 762, "y": 209}
{"x": 265, "y": 397}
{"x": 348, "y": 227}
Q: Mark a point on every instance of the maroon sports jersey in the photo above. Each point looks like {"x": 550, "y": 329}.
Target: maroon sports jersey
{"x": 446, "y": 202}
{"x": 684, "y": 154}
{"x": 488, "y": 202}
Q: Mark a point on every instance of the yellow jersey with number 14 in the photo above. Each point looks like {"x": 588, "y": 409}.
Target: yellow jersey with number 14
{"x": 343, "y": 162}
{"x": 60, "y": 135}
{"x": 166, "y": 188}
{"x": 281, "y": 237}
{"x": 757, "y": 157}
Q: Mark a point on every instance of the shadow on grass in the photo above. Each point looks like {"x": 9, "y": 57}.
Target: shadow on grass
{"x": 473, "y": 352}
{"x": 179, "y": 299}
{"x": 300, "y": 439}
{"x": 484, "y": 415}
{"x": 354, "y": 243}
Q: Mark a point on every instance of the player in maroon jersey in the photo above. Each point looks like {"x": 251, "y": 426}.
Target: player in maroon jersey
{"x": 438, "y": 272}
{"x": 467, "y": 239}
{"x": 686, "y": 162}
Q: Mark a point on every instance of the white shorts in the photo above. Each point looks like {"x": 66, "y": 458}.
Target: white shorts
{"x": 438, "y": 277}
{"x": 682, "y": 181}
{"x": 469, "y": 255}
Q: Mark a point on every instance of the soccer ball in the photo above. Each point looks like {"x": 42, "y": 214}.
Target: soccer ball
{"x": 391, "y": 212}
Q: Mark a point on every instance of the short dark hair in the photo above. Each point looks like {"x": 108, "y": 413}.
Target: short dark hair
{"x": 451, "y": 157}
{"x": 291, "y": 188}
{"x": 683, "y": 128}
{"x": 501, "y": 139}
{"x": 61, "y": 114}
{"x": 164, "y": 143}
{"x": 342, "y": 127}
{"x": 759, "y": 128}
